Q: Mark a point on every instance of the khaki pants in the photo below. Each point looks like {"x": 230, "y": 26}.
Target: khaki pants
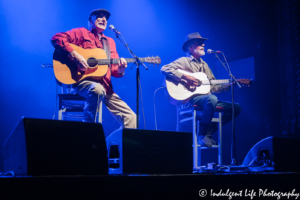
{"x": 94, "y": 94}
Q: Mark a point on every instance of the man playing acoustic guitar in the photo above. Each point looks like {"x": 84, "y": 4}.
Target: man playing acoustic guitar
{"x": 101, "y": 89}
{"x": 194, "y": 46}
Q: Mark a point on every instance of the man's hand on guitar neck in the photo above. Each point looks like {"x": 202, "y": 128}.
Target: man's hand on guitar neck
{"x": 190, "y": 80}
{"x": 122, "y": 66}
{"x": 80, "y": 61}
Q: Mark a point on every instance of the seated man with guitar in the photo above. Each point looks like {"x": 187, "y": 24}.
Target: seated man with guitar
{"x": 73, "y": 65}
{"x": 190, "y": 81}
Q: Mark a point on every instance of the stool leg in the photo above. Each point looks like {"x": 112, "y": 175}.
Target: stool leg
{"x": 195, "y": 144}
{"x": 220, "y": 140}
{"x": 100, "y": 113}
{"x": 60, "y": 115}
{"x": 178, "y": 122}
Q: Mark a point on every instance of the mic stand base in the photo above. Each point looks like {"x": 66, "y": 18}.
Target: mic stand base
{"x": 233, "y": 162}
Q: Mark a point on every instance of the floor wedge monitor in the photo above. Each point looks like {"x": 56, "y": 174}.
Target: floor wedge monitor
{"x": 278, "y": 152}
{"x": 136, "y": 151}
{"x": 53, "y": 147}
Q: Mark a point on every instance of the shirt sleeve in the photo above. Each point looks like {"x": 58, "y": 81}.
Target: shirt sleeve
{"x": 61, "y": 41}
{"x": 171, "y": 70}
{"x": 114, "y": 54}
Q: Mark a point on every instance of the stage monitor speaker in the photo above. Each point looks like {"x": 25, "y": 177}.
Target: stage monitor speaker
{"x": 53, "y": 147}
{"x": 281, "y": 153}
{"x": 135, "y": 151}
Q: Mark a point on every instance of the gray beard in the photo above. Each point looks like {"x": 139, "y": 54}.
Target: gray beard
{"x": 199, "y": 52}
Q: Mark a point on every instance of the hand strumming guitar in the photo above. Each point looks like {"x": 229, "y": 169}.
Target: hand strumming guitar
{"x": 190, "y": 80}
{"x": 79, "y": 59}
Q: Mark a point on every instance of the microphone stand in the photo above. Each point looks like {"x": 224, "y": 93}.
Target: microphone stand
{"x": 233, "y": 160}
{"x": 138, "y": 62}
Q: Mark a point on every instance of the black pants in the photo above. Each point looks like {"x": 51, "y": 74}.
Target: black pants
{"x": 210, "y": 105}
{"x": 227, "y": 114}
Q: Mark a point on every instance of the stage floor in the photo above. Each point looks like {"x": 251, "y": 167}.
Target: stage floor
{"x": 251, "y": 185}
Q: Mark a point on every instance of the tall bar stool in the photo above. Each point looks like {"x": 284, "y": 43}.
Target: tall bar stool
{"x": 192, "y": 116}
{"x": 71, "y": 106}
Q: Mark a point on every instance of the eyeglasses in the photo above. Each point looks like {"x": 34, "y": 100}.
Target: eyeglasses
{"x": 101, "y": 15}
{"x": 198, "y": 43}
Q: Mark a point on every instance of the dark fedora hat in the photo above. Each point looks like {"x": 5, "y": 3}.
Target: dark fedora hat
{"x": 99, "y": 11}
{"x": 191, "y": 37}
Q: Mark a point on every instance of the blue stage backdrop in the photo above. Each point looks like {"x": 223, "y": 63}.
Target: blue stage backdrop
{"x": 150, "y": 27}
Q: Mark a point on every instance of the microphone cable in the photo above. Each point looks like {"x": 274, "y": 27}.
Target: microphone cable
{"x": 56, "y": 99}
{"x": 142, "y": 105}
{"x": 155, "y": 108}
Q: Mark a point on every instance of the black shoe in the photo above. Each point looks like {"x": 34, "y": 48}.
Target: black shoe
{"x": 204, "y": 141}
{"x": 213, "y": 142}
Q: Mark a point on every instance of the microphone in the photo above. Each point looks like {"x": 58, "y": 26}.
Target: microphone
{"x": 111, "y": 27}
{"x": 212, "y": 51}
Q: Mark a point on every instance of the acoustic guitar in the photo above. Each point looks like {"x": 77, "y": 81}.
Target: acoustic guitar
{"x": 180, "y": 92}
{"x": 67, "y": 72}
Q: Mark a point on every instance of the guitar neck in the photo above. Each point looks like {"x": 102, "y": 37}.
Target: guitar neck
{"x": 215, "y": 81}
{"x": 116, "y": 61}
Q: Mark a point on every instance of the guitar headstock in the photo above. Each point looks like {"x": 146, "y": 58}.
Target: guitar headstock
{"x": 153, "y": 60}
{"x": 244, "y": 81}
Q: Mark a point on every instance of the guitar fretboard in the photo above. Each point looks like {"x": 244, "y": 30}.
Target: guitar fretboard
{"x": 116, "y": 60}
{"x": 211, "y": 82}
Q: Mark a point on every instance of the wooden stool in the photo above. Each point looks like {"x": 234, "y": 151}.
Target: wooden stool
{"x": 194, "y": 114}
{"x": 71, "y": 105}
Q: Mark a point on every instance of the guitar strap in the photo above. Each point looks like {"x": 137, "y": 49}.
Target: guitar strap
{"x": 106, "y": 47}
{"x": 201, "y": 67}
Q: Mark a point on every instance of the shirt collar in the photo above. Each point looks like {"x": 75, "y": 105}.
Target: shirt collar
{"x": 199, "y": 61}
{"x": 94, "y": 31}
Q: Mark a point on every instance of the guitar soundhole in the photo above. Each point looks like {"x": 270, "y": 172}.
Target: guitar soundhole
{"x": 92, "y": 62}
{"x": 199, "y": 83}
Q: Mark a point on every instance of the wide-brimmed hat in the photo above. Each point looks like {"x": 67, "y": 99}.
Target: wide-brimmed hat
{"x": 191, "y": 37}
{"x": 98, "y": 11}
